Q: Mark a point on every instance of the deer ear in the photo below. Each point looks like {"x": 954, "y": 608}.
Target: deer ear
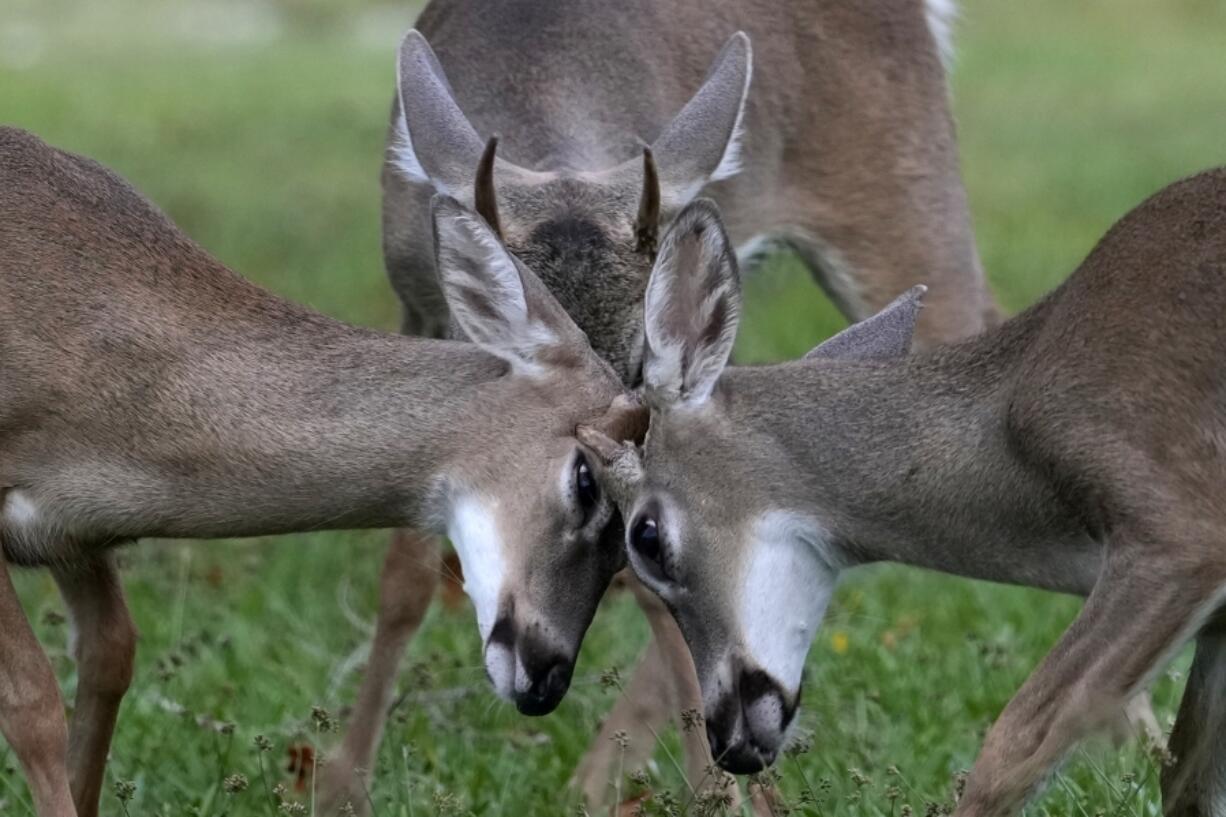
{"x": 884, "y": 336}
{"x": 691, "y": 309}
{"x": 436, "y": 143}
{"x": 497, "y": 302}
{"x": 703, "y": 142}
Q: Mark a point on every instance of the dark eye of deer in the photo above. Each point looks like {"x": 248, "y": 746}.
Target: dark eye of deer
{"x": 645, "y": 539}
{"x": 586, "y": 489}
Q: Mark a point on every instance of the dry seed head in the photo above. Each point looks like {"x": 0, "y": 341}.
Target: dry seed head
{"x": 960, "y": 784}
{"x": 713, "y": 802}
{"x": 446, "y": 804}
{"x": 323, "y": 720}
{"x": 124, "y": 790}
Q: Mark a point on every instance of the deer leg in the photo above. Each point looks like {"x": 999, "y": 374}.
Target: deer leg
{"x": 644, "y": 705}
{"x": 406, "y": 587}
{"x": 664, "y": 685}
{"x": 678, "y": 664}
{"x": 105, "y": 650}
{"x": 1195, "y": 784}
{"x": 860, "y": 274}
{"x": 686, "y": 692}
{"x": 1139, "y": 719}
{"x": 1132, "y": 622}
{"x": 31, "y": 711}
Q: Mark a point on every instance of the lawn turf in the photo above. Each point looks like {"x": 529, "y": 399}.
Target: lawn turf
{"x": 259, "y": 129}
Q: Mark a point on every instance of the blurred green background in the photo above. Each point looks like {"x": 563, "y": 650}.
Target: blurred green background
{"x": 259, "y": 127}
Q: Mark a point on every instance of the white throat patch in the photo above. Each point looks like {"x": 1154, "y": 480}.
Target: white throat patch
{"x": 474, "y": 534}
{"x": 940, "y": 16}
{"x": 788, "y": 583}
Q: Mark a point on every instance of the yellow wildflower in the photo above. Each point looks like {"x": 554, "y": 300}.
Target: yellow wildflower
{"x": 839, "y": 642}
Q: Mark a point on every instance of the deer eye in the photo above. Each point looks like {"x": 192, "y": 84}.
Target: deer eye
{"x": 586, "y": 489}
{"x": 645, "y": 541}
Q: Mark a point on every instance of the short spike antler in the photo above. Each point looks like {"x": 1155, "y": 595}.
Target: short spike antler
{"x": 615, "y": 438}
{"x": 647, "y": 226}
{"x": 484, "y": 199}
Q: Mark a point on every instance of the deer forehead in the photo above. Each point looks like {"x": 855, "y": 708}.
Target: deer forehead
{"x": 698, "y": 448}
{"x": 532, "y": 421}
{"x": 595, "y": 273}
{"x": 569, "y": 212}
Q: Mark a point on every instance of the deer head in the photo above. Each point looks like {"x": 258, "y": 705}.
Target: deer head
{"x": 717, "y": 524}
{"x": 538, "y": 538}
{"x": 589, "y": 234}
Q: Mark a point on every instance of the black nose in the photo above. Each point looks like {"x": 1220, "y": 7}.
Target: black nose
{"x": 747, "y": 723}
{"x": 547, "y": 687}
{"x": 739, "y": 758}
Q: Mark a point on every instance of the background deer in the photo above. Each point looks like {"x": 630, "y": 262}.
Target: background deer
{"x": 1080, "y": 447}
{"x": 833, "y": 139}
{"x": 146, "y": 390}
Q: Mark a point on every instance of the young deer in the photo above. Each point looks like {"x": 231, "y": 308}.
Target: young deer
{"x": 1080, "y": 447}
{"x": 146, "y": 390}
{"x": 844, "y": 151}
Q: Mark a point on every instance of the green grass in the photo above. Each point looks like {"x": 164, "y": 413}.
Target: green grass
{"x": 264, "y": 141}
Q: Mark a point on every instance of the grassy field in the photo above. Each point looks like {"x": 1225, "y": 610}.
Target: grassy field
{"x": 259, "y": 128}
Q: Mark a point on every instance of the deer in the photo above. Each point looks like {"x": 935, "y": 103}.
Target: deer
{"x": 835, "y": 140}
{"x": 148, "y": 391}
{"x": 1080, "y": 447}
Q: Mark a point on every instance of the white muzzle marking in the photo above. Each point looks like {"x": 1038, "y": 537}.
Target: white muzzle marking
{"x": 474, "y": 534}
{"x": 500, "y": 666}
{"x": 788, "y": 584}
{"x": 19, "y": 509}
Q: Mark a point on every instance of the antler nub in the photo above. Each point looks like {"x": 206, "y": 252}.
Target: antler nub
{"x": 485, "y": 201}
{"x": 647, "y": 225}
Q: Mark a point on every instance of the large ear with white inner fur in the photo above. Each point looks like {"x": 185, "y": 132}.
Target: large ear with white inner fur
{"x": 703, "y": 142}
{"x": 691, "y": 309}
{"x": 884, "y": 336}
{"x": 436, "y": 142}
{"x": 498, "y": 302}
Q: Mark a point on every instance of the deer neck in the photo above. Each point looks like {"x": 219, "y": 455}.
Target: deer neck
{"x": 914, "y": 462}
{"x": 359, "y": 433}
{"x": 271, "y": 420}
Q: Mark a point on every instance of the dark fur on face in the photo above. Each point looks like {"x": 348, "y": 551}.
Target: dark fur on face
{"x": 579, "y": 239}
